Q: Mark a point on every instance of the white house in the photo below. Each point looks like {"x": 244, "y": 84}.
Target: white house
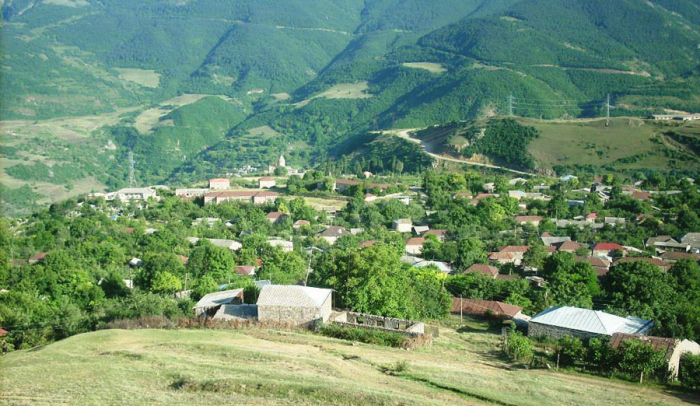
{"x": 403, "y": 225}
{"x": 219, "y": 184}
{"x": 414, "y": 246}
{"x": 264, "y": 183}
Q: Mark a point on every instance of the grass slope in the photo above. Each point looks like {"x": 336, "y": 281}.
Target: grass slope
{"x": 286, "y": 368}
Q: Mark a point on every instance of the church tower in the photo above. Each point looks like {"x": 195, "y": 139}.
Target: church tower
{"x": 282, "y": 162}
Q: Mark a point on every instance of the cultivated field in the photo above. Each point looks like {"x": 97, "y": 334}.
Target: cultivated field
{"x": 143, "y": 77}
{"x": 429, "y": 66}
{"x": 592, "y": 142}
{"x": 264, "y": 367}
{"x": 341, "y": 91}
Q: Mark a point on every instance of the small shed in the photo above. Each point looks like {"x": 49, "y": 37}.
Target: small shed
{"x": 299, "y": 305}
{"x": 210, "y": 304}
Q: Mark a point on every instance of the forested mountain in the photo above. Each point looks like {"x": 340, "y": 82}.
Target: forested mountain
{"x": 319, "y": 74}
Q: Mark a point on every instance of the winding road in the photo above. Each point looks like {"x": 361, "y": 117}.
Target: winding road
{"x": 405, "y": 135}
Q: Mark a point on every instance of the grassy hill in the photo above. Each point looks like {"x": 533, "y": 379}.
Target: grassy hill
{"x": 254, "y": 366}
{"x": 622, "y": 145}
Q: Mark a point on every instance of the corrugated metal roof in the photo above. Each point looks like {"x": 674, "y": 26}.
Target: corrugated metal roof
{"x": 219, "y": 298}
{"x": 292, "y": 295}
{"x": 593, "y": 321}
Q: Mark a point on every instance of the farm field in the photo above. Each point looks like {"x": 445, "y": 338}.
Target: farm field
{"x": 429, "y": 66}
{"x": 591, "y": 142}
{"x": 271, "y": 367}
{"x": 341, "y": 91}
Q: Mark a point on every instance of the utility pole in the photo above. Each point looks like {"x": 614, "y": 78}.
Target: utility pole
{"x": 607, "y": 107}
{"x": 460, "y": 308}
{"x": 510, "y": 104}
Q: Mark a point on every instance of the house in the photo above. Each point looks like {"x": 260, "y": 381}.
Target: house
{"x": 443, "y": 267}
{"x": 601, "y": 266}
{"x": 561, "y": 321}
{"x": 129, "y": 194}
{"x": 208, "y": 220}
{"x": 3, "y": 332}
{"x": 518, "y": 252}
{"x": 244, "y": 270}
{"x": 229, "y": 244}
{"x": 135, "y": 262}
{"x": 549, "y": 240}
{"x": 370, "y": 198}
{"x": 209, "y": 304}
{"x": 439, "y": 234}
{"x": 534, "y": 220}
{"x": 414, "y": 246}
{"x": 418, "y": 230}
{"x": 184, "y": 259}
{"x": 298, "y": 305}
{"x": 219, "y": 184}
{"x": 665, "y": 243}
{"x": 367, "y": 243}
{"x": 332, "y": 233}
{"x": 367, "y": 174}
{"x": 36, "y": 258}
{"x": 356, "y": 231}
{"x": 488, "y": 270}
{"x": 567, "y": 246}
{"x": 637, "y": 195}
{"x": 300, "y": 223}
{"x": 515, "y": 181}
{"x": 276, "y": 217}
{"x": 672, "y": 348}
{"x": 568, "y": 178}
{"x": 462, "y": 195}
{"x": 252, "y": 196}
{"x": 613, "y": 221}
{"x": 672, "y": 257}
{"x": 489, "y": 187}
{"x": 654, "y": 261}
{"x": 190, "y": 193}
{"x": 591, "y": 217}
{"x": 692, "y": 240}
{"x": 285, "y": 246}
{"x": 605, "y": 249}
{"x": 502, "y": 257}
{"x": 484, "y": 308}
{"x": 403, "y": 225}
{"x": 266, "y": 183}
{"x": 519, "y": 194}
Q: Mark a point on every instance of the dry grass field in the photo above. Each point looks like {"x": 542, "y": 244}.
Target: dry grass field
{"x": 429, "y": 66}
{"x": 273, "y": 367}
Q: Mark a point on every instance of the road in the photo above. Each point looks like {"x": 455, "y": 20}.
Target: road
{"x": 405, "y": 135}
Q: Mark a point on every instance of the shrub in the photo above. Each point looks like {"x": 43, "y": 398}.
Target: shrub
{"x": 571, "y": 351}
{"x": 519, "y": 347}
{"x": 362, "y": 335}
{"x": 689, "y": 373}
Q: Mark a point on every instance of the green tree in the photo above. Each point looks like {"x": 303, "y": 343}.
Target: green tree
{"x": 640, "y": 358}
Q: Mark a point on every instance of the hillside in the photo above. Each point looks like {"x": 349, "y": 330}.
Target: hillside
{"x": 284, "y": 368}
{"x": 320, "y": 73}
{"x": 619, "y": 145}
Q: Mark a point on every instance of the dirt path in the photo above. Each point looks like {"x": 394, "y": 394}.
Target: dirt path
{"x": 427, "y": 148}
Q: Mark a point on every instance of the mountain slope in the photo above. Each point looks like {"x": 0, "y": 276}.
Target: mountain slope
{"x": 320, "y": 74}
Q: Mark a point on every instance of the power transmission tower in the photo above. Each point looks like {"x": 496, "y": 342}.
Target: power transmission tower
{"x": 510, "y": 104}
{"x": 132, "y": 172}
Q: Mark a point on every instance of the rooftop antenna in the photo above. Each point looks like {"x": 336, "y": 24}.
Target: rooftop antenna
{"x": 132, "y": 172}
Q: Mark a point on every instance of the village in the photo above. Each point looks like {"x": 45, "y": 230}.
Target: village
{"x": 310, "y": 233}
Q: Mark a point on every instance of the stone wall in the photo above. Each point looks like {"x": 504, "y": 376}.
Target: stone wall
{"x": 301, "y": 316}
{"x": 543, "y": 330}
{"x": 380, "y": 323}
